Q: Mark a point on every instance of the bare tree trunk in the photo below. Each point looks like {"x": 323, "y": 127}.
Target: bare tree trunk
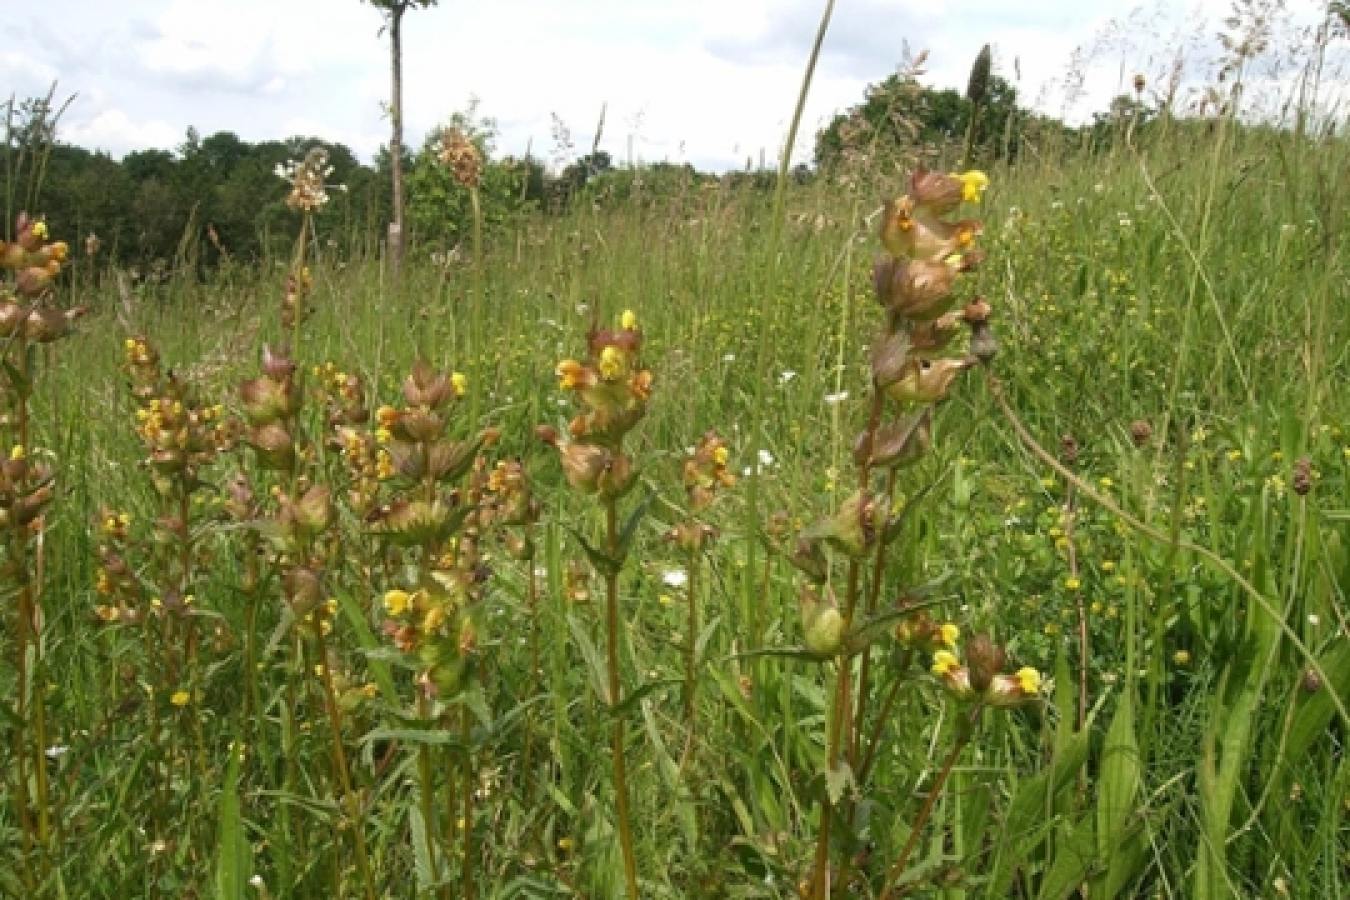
{"x": 396, "y": 231}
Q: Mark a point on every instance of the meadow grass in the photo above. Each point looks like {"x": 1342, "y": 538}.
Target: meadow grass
{"x": 1195, "y": 282}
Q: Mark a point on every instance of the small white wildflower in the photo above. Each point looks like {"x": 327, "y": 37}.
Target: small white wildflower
{"x": 675, "y": 578}
{"x": 256, "y": 882}
{"x": 836, "y": 398}
{"x": 1313, "y": 619}
{"x": 729, "y": 357}
{"x": 56, "y": 751}
{"x": 765, "y": 458}
{"x": 786, "y": 375}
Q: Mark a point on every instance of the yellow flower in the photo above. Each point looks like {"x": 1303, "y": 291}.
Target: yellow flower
{"x": 180, "y": 698}
{"x": 570, "y": 374}
{"x": 944, "y": 662}
{"x": 1181, "y": 658}
{"x": 396, "y": 602}
{"x": 460, "y": 382}
{"x": 17, "y": 453}
{"x": 948, "y": 634}
{"x": 611, "y": 362}
{"x": 721, "y": 455}
{"x": 39, "y": 230}
{"x": 973, "y": 184}
{"x": 433, "y": 619}
{"x": 1029, "y": 680}
{"x": 628, "y": 320}
{"x": 1072, "y": 584}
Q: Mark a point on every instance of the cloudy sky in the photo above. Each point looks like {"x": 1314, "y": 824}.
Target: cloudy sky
{"x": 711, "y": 82}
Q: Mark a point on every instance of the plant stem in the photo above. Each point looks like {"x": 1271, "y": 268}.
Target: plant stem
{"x": 470, "y": 855}
{"x": 29, "y": 627}
{"x": 873, "y": 596}
{"x": 616, "y": 741}
{"x": 874, "y": 740}
{"x": 532, "y": 604}
{"x": 350, "y": 801}
{"x": 691, "y": 646}
{"x": 916, "y": 830}
{"x": 426, "y": 789}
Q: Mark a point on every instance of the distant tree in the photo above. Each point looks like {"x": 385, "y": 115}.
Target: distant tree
{"x": 393, "y": 14}
{"x": 900, "y": 113}
{"x": 576, "y": 176}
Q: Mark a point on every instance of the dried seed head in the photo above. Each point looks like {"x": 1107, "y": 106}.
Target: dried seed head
{"x": 984, "y": 659}
{"x": 461, "y": 156}
{"x": 1140, "y": 432}
{"x": 1068, "y": 449}
{"x": 978, "y": 85}
{"x": 1302, "y": 478}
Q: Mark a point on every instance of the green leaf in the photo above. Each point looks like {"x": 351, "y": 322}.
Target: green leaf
{"x": 1072, "y": 862}
{"x": 635, "y": 695}
{"x": 594, "y": 664}
{"x": 1314, "y": 711}
{"x": 1117, "y": 778}
{"x": 896, "y": 523}
{"x": 1033, "y": 807}
{"x": 604, "y": 563}
{"x": 434, "y": 737}
{"x": 421, "y": 850}
{"x": 231, "y": 845}
{"x": 370, "y": 646}
{"x": 630, "y": 526}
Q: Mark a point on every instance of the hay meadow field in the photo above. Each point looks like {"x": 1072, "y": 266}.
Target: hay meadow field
{"x": 876, "y": 532}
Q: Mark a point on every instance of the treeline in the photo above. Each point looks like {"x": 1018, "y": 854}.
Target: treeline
{"x": 219, "y": 196}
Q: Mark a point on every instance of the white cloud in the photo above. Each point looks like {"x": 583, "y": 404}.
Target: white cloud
{"x": 706, "y": 81}
{"x": 115, "y": 132}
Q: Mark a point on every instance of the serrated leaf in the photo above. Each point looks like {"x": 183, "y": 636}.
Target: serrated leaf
{"x": 422, "y": 851}
{"x": 434, "y": 737}
{"x": 630, "y": 526}
{"x": 603, "y": 563}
